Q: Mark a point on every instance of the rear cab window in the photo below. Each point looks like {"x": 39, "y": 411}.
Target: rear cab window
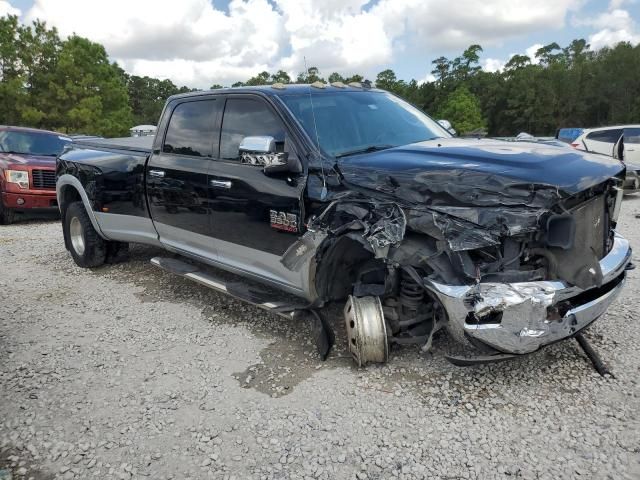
{"x": 248, "y": 117}
{"x": 191, "y": 129}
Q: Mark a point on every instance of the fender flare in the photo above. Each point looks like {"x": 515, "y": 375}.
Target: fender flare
{"x": 66, "y": 179}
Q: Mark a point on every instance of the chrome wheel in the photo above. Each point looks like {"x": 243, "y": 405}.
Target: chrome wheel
{"x": 366, "y": 330}
{"x": 76, "y": 235}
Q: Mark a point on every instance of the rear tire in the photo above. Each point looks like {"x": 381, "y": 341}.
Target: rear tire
{"x": 87, "y": 248}
{"x": 7, "y": 215}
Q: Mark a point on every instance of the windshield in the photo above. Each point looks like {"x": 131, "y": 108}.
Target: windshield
{"x": 32, "y": 143}
{"x": 356, "y": 122}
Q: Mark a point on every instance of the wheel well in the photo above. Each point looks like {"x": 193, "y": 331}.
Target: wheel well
{"x": 68, "y": 195}
{"x": 338, "y": 268}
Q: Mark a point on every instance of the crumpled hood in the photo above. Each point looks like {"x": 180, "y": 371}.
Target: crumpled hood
{"x": 459, "y": 172}
{"x": 7, "y": 159}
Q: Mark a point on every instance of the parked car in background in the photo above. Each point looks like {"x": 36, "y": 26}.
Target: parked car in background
{"x": 568, "y": 135}
{"x": 621, "y": 142}
{"x": 28, "y": 170}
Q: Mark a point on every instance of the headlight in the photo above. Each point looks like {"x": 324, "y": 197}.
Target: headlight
{"x": 20, "y": 177}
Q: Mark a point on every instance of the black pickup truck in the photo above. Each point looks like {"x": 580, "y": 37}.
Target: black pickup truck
{"x": 317, "y": 194}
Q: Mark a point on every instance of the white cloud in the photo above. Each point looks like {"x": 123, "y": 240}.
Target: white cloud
{"x": 194, "y": 43}
{"x": 428, "y": 78}
{"x": 493, "y": 64}
{"x": 615, "y": 25}
{"x": 441, "y": 24}
{"x": 531, "y": 52}
{"x": 7, "y": 9}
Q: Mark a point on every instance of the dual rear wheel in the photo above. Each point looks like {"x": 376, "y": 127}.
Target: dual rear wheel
{"x": 86, "y": 246}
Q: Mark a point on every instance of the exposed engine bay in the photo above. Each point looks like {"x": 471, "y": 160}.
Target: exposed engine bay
{"x": 389, "y": 261}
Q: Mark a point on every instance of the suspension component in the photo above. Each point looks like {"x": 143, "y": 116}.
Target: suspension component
{"x": 411, "y": 295}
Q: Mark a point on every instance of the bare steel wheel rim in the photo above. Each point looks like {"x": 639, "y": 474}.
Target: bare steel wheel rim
{"x": 366, "y": 330}
{"x": 77, "y": 236}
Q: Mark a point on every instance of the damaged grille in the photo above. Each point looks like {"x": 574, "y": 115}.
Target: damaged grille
{"x": 592, "y": 226}
{"x": 579, "y": 264}
{"x": 45, "y": 179}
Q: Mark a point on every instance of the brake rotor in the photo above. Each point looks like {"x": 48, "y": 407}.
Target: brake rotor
{"x": 366, "y": 330}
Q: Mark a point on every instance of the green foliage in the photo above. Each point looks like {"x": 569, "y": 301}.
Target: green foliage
{"x": 147, "y": 97}
{"x": 70, "y": 85}
{"x": 65, "y": 85}
{"x": 462, "y": 109}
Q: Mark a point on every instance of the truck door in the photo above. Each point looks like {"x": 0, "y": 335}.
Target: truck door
{"x": 255, "y": 216}
{"x": 176, "y": 177}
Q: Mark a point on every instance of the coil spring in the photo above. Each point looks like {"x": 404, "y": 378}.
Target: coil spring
{"x": 411, "y": 294}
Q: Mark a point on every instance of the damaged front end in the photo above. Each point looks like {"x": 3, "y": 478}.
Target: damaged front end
{"x": 503, "y": 264}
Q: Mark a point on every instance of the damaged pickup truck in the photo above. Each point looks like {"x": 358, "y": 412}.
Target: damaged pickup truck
{"x": 316, "y": 194}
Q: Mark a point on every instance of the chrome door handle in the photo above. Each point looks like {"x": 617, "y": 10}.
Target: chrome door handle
{"x": 157, "y": 173}
{"x": 220, "y": 183}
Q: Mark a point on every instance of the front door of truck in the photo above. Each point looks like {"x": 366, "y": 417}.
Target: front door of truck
{"x": 176, "y": 177}
{"x": 255, "y": 217}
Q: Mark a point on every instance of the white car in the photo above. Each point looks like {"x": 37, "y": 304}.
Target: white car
{"x": 622, "y": 142}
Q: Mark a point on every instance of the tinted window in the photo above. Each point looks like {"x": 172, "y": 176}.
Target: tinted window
{"x": 32, "y": 143}
{"x": 190, "y": 130}
{"x": 608, "y": 136}
{"x": 244, "y": 117}
{"x": 351, "y": 121}
{"x": 569, "y": 134}
{"x": 632, "y": 135}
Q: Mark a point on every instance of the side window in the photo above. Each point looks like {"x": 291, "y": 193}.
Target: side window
{"x": 247, "y": 117}
{"x": 608, "y": 136}
{"x": 632, "y": 136}
{"x": 190, "y": 130}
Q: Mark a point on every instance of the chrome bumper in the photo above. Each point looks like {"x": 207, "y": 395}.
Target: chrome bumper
{"x": 524, "y": 322}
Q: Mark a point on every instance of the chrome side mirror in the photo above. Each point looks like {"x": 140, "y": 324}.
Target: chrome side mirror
{"x": 261, "y": 151}
{"x": 446, "y": 124}
{"x": 258, "y": 144}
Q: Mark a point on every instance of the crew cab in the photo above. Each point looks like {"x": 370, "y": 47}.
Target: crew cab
{"x": 27, "y": 170}
{"x": 310, "y": 195}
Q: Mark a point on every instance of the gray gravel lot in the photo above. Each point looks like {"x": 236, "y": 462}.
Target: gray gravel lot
{"x": 129, "y": 372}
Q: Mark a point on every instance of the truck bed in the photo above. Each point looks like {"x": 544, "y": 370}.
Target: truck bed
{"x": 136, "y": 144}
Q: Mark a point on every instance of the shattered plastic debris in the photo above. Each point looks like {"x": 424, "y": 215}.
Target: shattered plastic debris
{"x": 388, "y": 230}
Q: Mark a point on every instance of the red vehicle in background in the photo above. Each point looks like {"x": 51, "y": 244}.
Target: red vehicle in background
{"x": 28, "y": 170}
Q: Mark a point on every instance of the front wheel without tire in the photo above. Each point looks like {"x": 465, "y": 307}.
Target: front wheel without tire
{"x": 87, "y": 248}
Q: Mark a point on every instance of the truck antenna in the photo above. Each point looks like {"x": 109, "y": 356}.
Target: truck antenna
{"x": 323, "y": 193}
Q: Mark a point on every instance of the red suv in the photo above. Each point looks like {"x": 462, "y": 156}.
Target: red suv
{"x": 28, "y": 170}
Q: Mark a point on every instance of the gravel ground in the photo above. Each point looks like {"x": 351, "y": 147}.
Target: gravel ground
{"x": 129, "y": 372}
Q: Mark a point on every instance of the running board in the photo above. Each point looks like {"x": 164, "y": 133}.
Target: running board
{"x": 242, "y": 290}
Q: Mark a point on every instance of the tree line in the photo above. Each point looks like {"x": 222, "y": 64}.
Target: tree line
{"x": 71, "y": 86}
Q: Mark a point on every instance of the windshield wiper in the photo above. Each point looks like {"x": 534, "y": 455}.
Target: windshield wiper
{"x": 369, "y": 149}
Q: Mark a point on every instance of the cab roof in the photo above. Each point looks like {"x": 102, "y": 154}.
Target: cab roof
{"x": 285, "y": 89}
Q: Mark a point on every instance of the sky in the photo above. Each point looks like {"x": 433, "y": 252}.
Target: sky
{"x": 203, "y": 42}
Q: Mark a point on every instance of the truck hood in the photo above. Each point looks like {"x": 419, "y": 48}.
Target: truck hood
{"x": 8, "y": 159}
{"x": 459, "y": 172}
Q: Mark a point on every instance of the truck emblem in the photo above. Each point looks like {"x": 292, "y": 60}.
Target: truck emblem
{"x": 287, "y": 222}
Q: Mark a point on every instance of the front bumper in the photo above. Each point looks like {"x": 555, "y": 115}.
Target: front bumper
{"x": 26, "y": 201}
{"x": 522, "y": 317}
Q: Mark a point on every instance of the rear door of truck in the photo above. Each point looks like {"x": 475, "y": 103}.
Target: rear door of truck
{"x": 176, "y": 175}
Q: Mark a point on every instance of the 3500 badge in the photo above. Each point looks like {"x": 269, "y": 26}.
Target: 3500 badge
{"x": 287, "y": 222}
